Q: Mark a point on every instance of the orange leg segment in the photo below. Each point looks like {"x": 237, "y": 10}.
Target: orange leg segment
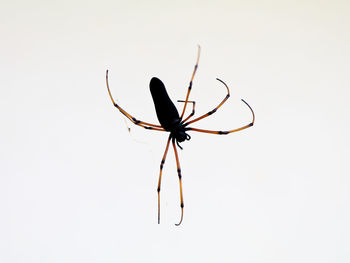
{"x": 180, "y": 182}
{"x": 190, "y": 85}
{"x": 160, "y": 176}
{"x": 193, "y": 109}
{"x": 214, "y": 110}
{"x": 143, "y": 124}
{"x": 230, "y": 131}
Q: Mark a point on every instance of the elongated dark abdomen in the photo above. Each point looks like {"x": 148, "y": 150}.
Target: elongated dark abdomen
{"x": 166, "y": 111}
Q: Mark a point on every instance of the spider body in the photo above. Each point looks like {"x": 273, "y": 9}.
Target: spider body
{"x": 171, "y": 121}
{"x": 167, "y": 114}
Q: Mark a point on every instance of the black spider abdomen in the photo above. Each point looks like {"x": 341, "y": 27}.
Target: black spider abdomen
{"x": 167, "y": 113}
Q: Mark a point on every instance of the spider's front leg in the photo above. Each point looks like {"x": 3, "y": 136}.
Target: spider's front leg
{"x": 160, "y": 175}
{"x": 190, "y": 85}
{"x": 180, "y": 181}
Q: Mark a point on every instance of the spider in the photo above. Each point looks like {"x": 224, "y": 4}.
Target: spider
{"x": 178, "y": 126}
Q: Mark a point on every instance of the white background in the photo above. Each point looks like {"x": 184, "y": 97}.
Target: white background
{"x": 76, "y": 186}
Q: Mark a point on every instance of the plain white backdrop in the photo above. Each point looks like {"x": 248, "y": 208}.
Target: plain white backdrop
{"x": 76, "y": 186}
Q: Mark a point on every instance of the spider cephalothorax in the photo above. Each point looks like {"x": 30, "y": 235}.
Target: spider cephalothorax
{"x": 171, "y": 121}
{"x": 179, "y": 134}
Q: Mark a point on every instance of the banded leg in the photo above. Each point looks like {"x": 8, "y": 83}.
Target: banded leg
{"x": 227, "y": 132}
{"x": 180, "y": 182}
{"x": 190, "y": 85}
{"x": 193, "y": 109}
{"x": 143, "y": 124}
{"x": 217, "y": 107}
{"x": 160, "y": 176}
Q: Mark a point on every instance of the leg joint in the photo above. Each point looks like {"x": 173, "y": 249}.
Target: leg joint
{"x": 135, "y": 120}
{"x": 162, "y": 164}
{"x": 211, "y": 112}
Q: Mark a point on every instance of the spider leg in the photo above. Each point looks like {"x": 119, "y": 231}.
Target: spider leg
{"x": 143, "y": 124}
{"x": 190, "y": 85}
{"x": 214, "y": 110}
{"x": 160, "y": 175}
{"x": 193, "y": 109}
{"x": 180, "y": 182}
{"x": 230, "y": 131}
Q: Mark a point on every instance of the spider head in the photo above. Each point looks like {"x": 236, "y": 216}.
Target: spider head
{"x": 180, "y": 136}
{"x": 179, "y": 133}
